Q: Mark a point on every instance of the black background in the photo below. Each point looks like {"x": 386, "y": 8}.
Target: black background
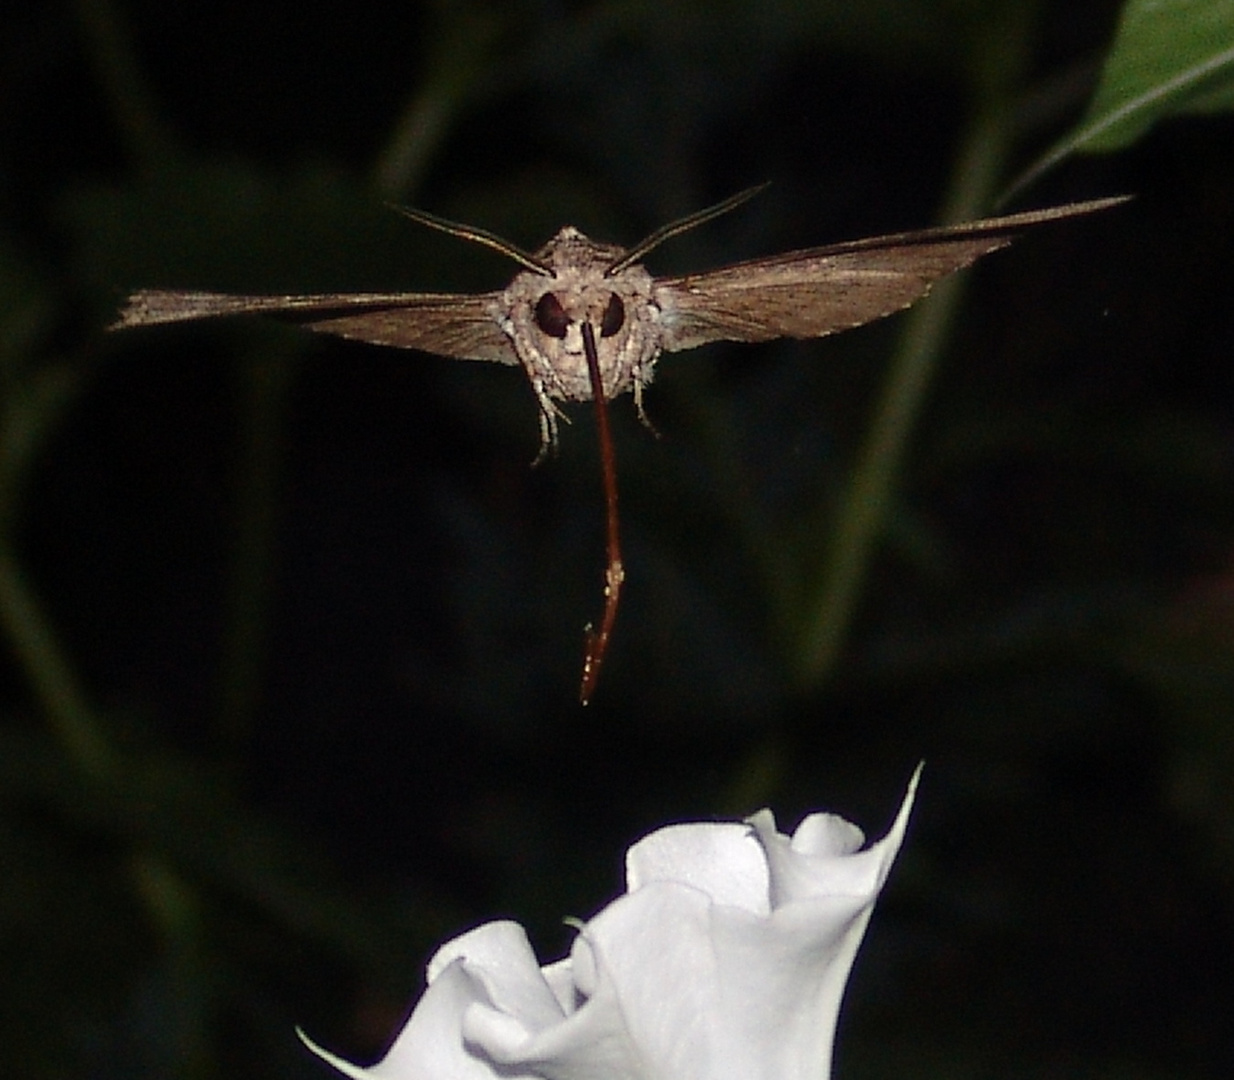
{"x": 398, "y": 751}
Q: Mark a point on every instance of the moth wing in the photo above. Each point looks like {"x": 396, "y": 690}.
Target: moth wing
{"x": 819, "y": 291}
{"x": 462, "y": 326}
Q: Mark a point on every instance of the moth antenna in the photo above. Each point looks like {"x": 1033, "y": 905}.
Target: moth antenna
{"x": 675, "y": 228}
{"x": 476, "y": 236}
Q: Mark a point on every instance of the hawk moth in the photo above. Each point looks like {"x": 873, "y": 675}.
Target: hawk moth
{"x": 588, "y": 322}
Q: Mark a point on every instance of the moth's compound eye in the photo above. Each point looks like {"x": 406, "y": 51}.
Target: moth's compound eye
{"x": 551, "y": 317}
{"x": 614, "y": 316}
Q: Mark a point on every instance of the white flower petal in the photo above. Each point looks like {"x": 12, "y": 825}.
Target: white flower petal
{"x": 431, "y": 1044}
{"x": 561, "y": 980}
{"x": 499, "y": 956}
{"x": 593, "y": 1043}
{"x": 722, "y": 860}
{"x": 725, "y": 960}
{"x": 822, "y": 857}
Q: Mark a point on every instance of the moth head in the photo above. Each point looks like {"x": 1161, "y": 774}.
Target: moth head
{"x": 561, "y": 314}
{"x": 548, "y": 310}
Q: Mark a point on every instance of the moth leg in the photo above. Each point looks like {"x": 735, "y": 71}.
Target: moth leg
{"x": 550, "y": 414}
{"x": 548, "y": 436}
{"x": 638, "y": 406}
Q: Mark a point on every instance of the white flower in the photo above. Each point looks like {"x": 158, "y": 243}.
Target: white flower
{"x": 725, "y": 960}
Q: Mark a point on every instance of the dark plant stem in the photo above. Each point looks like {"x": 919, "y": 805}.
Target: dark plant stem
{"x": 267, "y": 377}
{"x": 866, "y": 506}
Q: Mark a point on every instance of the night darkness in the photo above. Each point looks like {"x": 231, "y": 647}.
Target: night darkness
{"x": 293, "y": 628}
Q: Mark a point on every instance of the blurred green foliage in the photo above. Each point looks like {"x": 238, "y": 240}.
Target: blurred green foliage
{"x": 293, "y": 631}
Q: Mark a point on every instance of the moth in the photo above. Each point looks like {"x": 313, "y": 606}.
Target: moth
{"x": 587, "y": 321}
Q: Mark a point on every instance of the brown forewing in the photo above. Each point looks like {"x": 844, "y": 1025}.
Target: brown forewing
{"x": 460, "y": 326}
{"x": 818, "y": 291}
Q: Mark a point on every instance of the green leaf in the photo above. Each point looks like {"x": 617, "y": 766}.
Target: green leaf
{"x": 1169, "y": 58}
